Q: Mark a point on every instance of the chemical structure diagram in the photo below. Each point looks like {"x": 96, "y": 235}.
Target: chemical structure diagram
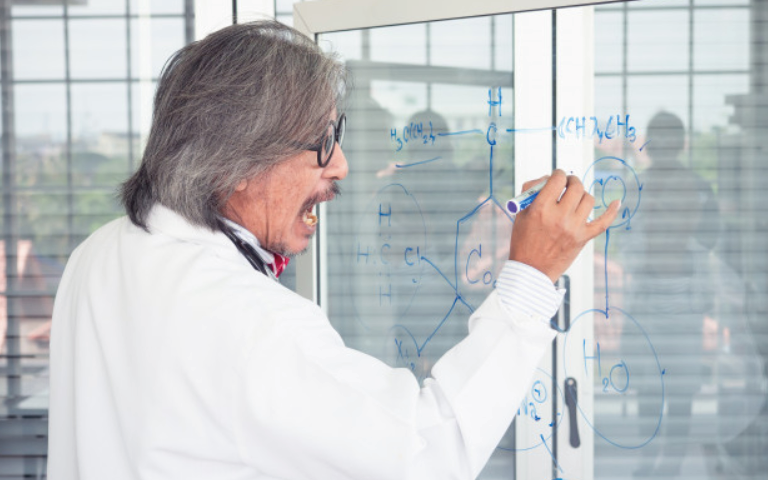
{"x": 392, "y": 246}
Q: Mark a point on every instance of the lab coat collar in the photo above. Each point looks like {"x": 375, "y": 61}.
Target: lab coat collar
{"x": 163, "y": 220}
{"x": 266, "y": 256}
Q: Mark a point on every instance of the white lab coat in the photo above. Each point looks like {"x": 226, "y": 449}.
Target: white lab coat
{"x": 172, "y": 358}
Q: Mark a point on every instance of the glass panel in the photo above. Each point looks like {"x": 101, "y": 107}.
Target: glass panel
{"x": 99, "y": 121}
{"x": 285, "y": 19}
{"x": 711, "y": 100}
{"x": 609, "y": 41}
{"x": 153, "y": 41}
{"x": 348, "y": 47}
{"x": 451, "y": 44}
{"x": 420, "y": 196}
{"x": 405, "y": 44}
{"x": 42, "y": 40}
{"x": 720, "y": 2}
{"x": 504, "y": 33}
{"x": 159, "y": 7}
{"x": 142, "y": 97}
{"x": 72, "y": 147}
{"x": 106, "y": 58}
{"x": 657, "y": 41}
{"x": 721, "y": 51}
{"x": 36, "y": 10}
{"x": 658, "y": 4}
{"x": 646, "y": 95}
{"x": 284, "y": 6}
{"x": 679, "y": 351}
{"x": 97, "y": 7}
{"x": 41, "y": 134}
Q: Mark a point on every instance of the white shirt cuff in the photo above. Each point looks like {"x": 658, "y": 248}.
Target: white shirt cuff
{"x": 523, "y": 289}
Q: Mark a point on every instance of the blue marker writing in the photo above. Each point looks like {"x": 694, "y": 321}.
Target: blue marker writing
{"x": 525, "y": 199}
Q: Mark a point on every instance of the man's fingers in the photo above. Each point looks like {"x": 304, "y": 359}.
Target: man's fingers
{"x": 533, "y": 183}
{"x": 601, "y": 224}
{"x": 585, "y": 207}
{"x": 554, "y": 187}
{"x": 574, "y": 192}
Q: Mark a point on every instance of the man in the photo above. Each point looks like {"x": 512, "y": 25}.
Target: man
{"x": 175, "y": 355}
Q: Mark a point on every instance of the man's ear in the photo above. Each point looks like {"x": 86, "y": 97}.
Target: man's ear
{"x": 241, "y": 186}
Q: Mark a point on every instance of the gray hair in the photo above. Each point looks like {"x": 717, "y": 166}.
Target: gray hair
{"x": 227, "y": 108}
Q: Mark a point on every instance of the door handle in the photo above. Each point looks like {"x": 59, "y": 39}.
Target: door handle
{"x": 571, "y": 398}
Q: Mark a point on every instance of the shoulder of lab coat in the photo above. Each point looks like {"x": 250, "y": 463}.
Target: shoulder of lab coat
{"x": 197, "y": 341}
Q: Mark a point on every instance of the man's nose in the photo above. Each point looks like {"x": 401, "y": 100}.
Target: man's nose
{"x": 337, "y": 168}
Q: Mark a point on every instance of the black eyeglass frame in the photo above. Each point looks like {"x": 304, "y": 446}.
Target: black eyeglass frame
{"x": 339, "y": 129}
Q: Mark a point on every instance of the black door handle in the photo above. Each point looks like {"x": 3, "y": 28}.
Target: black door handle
{"x": 571, "y": 397}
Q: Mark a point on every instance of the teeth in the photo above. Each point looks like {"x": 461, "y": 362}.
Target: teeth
{"x": 310, "y": 219}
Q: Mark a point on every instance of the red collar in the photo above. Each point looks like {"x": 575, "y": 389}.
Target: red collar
{"x": 279, "y": 264}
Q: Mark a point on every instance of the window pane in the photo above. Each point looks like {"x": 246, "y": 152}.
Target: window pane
{"x": 420, "y": 161}
{"x": 153, "y": 41}
{"x": 713, "y": 109}
{"x": 36, "y": 10}
{"x": 679, "y": 348}
{"x": 106, "y": 58}
{"x": 348, "y": 47}
{"x": 729, "y": 49}
{"x": 159, "y": 7}
{"x": 655, "y": 4}
{"x": 609, "y": 41}
{"x": 142, "y": 96}
{"x": 41, "y": 130}
{"x": 42, "y": 40}
{"x": 405, "y": 44}
{"x": 284, "y": 6}
{"x": 451, "y": 42}
{"x": 657, "y": 40}
{"x": 504, "y": 27}
{"x": 97, "y": 7}
{"x": 647, "y": 95}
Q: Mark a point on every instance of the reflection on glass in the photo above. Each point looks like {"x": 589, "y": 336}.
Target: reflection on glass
{"x": 452, "y": 44}
{"x": 682, "y": 283}
{"x": 417, "y": 238}
{"x": 718, "y": 36}
{"x": 710, "y": 95}
{"x": 404, "y": 44}
{"x": 609, "y": 36}
{"x": 646, "y": 94}
{"x": 656, "y": 41}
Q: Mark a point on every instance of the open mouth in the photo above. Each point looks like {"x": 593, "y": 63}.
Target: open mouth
{"x": 309, "y": 218}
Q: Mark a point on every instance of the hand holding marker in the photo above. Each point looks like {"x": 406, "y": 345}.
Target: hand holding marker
{"x": 520, "y": 202}
{"x": 524, "y": 200}
{"x": 550, "y": 236}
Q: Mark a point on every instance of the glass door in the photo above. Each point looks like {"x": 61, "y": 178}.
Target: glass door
{"x": 659, "y": 370}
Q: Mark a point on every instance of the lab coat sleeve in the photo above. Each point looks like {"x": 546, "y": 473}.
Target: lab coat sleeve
{"x": 308, "y": 407}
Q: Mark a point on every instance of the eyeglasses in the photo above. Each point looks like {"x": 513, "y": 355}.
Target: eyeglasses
{"x": 333, "y": 135}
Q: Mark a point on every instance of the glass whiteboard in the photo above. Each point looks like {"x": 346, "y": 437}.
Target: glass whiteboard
{"x": 671, "y": 353}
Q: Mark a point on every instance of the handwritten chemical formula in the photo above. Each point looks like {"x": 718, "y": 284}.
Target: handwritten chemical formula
{"x": 392, "y": 246}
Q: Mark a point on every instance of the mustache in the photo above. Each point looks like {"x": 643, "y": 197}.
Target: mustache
{"x": 333, "y": 190}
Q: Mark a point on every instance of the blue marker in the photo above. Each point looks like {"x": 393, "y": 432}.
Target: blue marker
{"x": 525, "y": 199}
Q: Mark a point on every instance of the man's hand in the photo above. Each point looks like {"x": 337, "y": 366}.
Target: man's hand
{"x": 549, "y": 234}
